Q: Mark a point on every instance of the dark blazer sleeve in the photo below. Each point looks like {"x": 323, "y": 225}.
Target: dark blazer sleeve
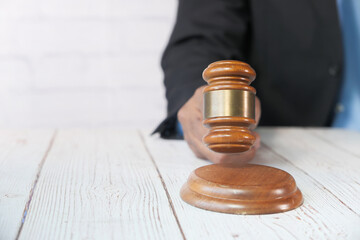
{"x": 205, "y": 31}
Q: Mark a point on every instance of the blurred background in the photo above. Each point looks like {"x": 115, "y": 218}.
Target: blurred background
{"x": 83, "y": 63}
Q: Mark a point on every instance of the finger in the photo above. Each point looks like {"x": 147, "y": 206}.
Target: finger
{"x": 194, "y": 146}
{"x": 257, "y": 143}
{"x": 200, "y": 130}
{"x": 199, "y": 98}
{"x": 257, "y": 111}
{"x": 195, "y": 123}
{"x": 236, "y": 158}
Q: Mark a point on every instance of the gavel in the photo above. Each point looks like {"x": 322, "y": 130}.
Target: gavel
{"x": 229, "y": 113}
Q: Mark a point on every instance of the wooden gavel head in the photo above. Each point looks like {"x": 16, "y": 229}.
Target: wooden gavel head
{"x": 229, "y": 106}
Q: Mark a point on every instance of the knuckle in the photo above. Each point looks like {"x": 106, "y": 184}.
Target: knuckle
{"x": 181, "y": 114}
{"x": 199, "y": 90}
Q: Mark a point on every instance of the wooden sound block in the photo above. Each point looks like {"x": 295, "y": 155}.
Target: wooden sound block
{"x": 250, "y": 189}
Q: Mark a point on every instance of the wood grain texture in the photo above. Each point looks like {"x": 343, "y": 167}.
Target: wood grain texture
{"x": 99, "y": 184}
{"x": 21, "y": 156}
{"x": 344, "y": 139}
{"x": 249, "y": 190}
{"x": 325, "y": 162}
{"x": 322, "y": 216}
{"x": 102, "y": 184}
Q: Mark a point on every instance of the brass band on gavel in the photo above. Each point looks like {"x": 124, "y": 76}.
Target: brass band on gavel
{"x": 229, "y": 103}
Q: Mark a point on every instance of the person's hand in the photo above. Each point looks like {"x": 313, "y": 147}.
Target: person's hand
{"x": 190, "y": 117}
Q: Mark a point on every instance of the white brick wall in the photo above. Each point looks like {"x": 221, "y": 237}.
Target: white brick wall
{"x": 83, "y": 63}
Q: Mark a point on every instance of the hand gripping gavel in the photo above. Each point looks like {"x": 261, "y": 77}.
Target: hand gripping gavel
{"x": 229, "y": 112}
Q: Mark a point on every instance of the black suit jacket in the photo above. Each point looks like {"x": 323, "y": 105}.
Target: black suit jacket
{"x": 295, "y": 47}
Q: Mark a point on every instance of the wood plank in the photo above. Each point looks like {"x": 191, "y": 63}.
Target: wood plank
{"x": 344, "y": 139}
{"x": 99, "y": 184}
{"x": 320, "y": 217}
{"x": 335, "y": 168}
{"x": 21, "y": 155}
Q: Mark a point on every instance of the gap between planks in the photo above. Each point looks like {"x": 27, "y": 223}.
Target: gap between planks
{"x": 301, "y": 170}
{"x": 32, "y": 190}
{"x": 163, "y": 184}
{"x": 317, "y": 135}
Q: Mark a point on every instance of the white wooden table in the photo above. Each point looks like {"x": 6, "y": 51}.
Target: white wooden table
{"x": 116, "y": 184}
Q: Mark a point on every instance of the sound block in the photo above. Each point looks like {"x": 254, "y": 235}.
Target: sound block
{"x": 249, "y": 189}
